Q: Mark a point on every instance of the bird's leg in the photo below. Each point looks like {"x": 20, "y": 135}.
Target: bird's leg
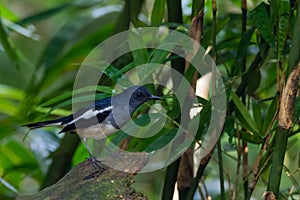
{"x": 96, "y": 163}
{"x": 110, "y": 151}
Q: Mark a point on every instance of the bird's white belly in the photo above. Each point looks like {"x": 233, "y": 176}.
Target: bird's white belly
{"x": 97, "y": 131}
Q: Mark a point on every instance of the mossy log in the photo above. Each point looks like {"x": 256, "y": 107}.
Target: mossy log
{"x": 86, "y": 182}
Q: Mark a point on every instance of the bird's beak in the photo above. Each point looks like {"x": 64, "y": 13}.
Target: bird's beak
{"x": 153, "y": 97}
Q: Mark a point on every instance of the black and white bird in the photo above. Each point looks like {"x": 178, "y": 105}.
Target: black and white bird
{"x": 104, "y": 117}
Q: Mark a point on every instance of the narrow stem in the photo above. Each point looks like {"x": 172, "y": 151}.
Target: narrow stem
{"x": 295, "y": 47}
{"x": 214, "y": 32}
{"x": 221, "y": 169}
{"x": 281, "y": 138}
{"x": 174, "y": 15}
{"x": 244, "y": 143}
{"x": 170, "y": 180}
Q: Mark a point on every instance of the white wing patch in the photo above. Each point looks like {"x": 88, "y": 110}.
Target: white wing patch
{"x": 90, "y": 114}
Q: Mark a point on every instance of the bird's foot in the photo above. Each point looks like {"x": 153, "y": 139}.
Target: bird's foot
{"x": 92, "y": 175}
{"x": 98, "y": 166}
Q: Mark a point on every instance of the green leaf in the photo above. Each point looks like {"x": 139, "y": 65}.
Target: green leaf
{"x": 74, "y": 41}
{"x": 44, "y": 14}
{"x": 8, "y": 107}
{"x": 165, "y": 138}
{"x": 246, "y": 135}
{"x": 146, "y": 127}
{"x": 68, "y": 95}
{"x": 260, "y": 18}
{"x": 256, "y": 107}
{"x": 8, "y": 45}
{"x": 274, "y": 10}
{"x": 58, "y": 43}
{"x": 54, "y": 111}
{"x": 253, "y": 81}
{"x": 246, "y": 118}
{"x": 159, "y": 56}
{"x": 229, "y": 126}
{"x": 242, "y": 49}
{"x": 138, "y": 48}
{"x": 7, "y": 14}
{"x": 283, "y": 26}
{"x": 205, "y": 116}
{"x": 68, "y": 99}
{"x": 9, "y": 92}
{"x": 282, "y": 34}
{"x": 158, "y": 12}
{"x": 174, "y": 107}
{"x": 115, "y": 74}
{"x": 222, "y": 23}
{"x": 16, "y": 154}
{"x": 76, "y": 100}
{"x": 252, "y": 138}
{"x": 294, "y": 56}
{"x": 55, "y": 10}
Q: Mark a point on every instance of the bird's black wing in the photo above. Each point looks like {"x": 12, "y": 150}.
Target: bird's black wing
{"x": 89, "y": 116}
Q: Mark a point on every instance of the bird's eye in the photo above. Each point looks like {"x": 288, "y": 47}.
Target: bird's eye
{"x": 139, "y": 94}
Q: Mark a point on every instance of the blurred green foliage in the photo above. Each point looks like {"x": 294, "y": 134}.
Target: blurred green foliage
{"x": 44, "y": 42}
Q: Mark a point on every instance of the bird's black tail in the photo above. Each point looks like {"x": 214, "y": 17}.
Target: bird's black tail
{"x": 54, "y": 122}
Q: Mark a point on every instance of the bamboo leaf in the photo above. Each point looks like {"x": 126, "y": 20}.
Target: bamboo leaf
{"x": 76, "y": 100}
{"x": 242, "y": 49}
{"x": 8, "y": 45}
{"x": 274, "y": 10}
{"x": 9, "y": 92}
{"x": 56, "y": 111}
{"x": 294, "y": 56}
{"x": 256, "y": 107}
{"x": 115, "y": 74}
{"x": 7, "y": 14}
{"x": 165, "y": 137}
{"x": 158, "y": 12}
{"x": 247, "y": 119}
{"x": 17, "y": 153}
{"x": 69, "y": 95}
{"x": 252, "y": 138}
{"x": 8, "y": 107}
{"x": 260, "y": 18}
{"x": 283, "y": 25}
{"x": 220, "y": 26}
{"x": 205, "y": 116}
{"x": 57, "y": 54}
{"x": 159, "y": 56}
{"x": 44, "y": 14}
{"x": 253, "y": 81}
{"x": 138, "y": 47}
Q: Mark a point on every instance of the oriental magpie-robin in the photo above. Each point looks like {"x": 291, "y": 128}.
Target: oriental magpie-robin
{"x": 102, "y": 118}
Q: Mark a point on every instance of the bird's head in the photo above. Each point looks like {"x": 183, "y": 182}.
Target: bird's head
{"x": 128, "y": 101}
{"x": 139, "y": 95}
{"x": 136, "y": 96}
